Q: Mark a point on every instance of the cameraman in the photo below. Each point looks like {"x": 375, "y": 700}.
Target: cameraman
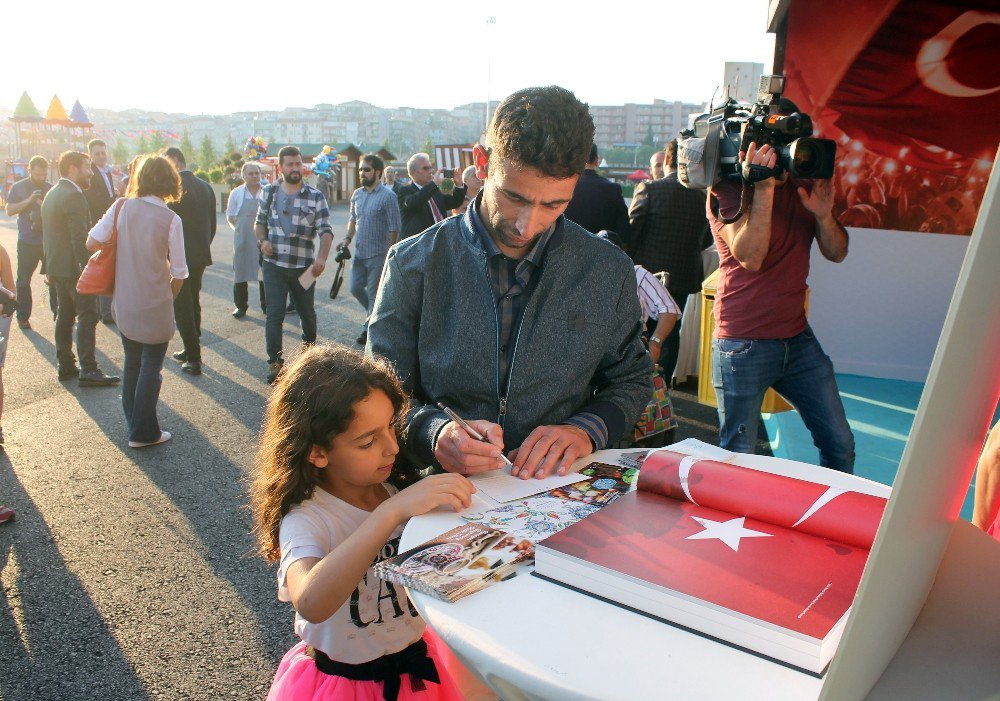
{"x": 762, "y": 338}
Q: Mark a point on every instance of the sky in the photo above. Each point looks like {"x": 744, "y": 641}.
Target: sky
{"x": 211, "y": 57}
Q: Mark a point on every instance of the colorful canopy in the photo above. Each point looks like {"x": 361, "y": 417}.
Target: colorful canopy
{"x": 56, "y": 113}
{"x": 637, "y": 175}
{"x": 25, "y": 110}
{"x": 79, "y": 116}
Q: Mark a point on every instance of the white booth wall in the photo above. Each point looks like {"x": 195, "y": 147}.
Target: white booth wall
{"x": 880, "y": 312}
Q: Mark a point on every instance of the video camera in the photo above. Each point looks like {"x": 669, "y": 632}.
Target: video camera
{"x": 710, "y": 150}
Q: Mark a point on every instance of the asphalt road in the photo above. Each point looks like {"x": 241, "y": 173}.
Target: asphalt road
{"x": 131, "y": 574}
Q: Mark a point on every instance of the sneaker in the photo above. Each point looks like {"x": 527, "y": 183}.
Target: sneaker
{"x": 180, "y": 356}
{"x": 362, "y": 339}
{"x": 6, "y": 514}
{"x": 97, "y": 378}
{"x": 68, "y": 373}
{"x": 273, "y": 370}
{"x": 24, "y": 324}
{"x": 164, "y": 437}
{"x": 239, "y": 313}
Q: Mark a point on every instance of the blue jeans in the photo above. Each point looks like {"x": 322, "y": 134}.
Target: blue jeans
{"x": 365, "y": 275}
{"x": 278, "y": 284}
{"x": 141, "y": 382}
{"x": 799, "y": 370}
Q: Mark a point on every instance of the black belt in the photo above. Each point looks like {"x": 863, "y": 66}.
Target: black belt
{"x": 388, "y": 669}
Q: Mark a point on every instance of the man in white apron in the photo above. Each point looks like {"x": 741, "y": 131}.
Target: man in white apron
{"x": 241, "y": 213}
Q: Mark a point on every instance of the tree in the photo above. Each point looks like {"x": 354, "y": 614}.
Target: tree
{"x": 229, "y": 146}
{"x": 120, "y": 152}
{"x": 157, "y": 142}
{"x": 428, "y": 147}
{"x": 648, "y": 141}
{"x": 186, "y": 146}
{"x": 206, "y": 153}
{"x": 141, "y": 145}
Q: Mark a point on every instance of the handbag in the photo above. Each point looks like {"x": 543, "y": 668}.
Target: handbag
{"x": 658, "y": 416}
{"x": 98, "y": 276}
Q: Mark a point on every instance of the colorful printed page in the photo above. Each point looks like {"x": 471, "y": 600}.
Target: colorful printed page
{"x": 533, "y": 519}
{"x": 603, "y": 485}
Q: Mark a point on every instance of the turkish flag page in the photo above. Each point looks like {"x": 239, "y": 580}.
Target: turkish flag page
{"x": 781, "y": 576}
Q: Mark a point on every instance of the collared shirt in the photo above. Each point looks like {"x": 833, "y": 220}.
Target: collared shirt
{"x": 29, "y": 221}
{"x": 376, "y": 216}
{"x": 653, "y": 296}
{"x": 512, "y": 282}
{"x": 106, "y": 175}
{"x": 309, "y": 218}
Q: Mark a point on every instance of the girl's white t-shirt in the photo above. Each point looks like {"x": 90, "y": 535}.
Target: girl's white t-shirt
{"x": 378, "y": 618}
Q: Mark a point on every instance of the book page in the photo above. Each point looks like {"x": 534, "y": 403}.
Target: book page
{"x": 502, "y": 486}
{"x": 701, "y": 449}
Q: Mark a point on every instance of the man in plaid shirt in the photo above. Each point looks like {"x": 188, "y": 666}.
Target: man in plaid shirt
{"x": 291, "y": 216}
{"x": 375, "y": 220}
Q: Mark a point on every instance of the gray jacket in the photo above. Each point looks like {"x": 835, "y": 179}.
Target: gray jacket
{"x": 578, "y": 349}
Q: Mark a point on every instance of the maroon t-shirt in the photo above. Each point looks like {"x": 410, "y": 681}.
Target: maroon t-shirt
{"x": 769, "y": 303}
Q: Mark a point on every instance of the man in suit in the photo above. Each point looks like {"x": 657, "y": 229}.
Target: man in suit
{"x": 100, "y": 195}
{"x": 421, "y": 203}
{"x": 196, "y": 208}
{"x": 669, "y": 231}
{"x": 598, "y": 203}
{"x": 65, "y": 225}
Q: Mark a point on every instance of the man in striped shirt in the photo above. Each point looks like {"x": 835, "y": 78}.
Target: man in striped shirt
{"x": 375, "y": 221}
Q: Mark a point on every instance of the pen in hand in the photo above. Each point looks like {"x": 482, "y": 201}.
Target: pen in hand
{"x": 468, "y": 429}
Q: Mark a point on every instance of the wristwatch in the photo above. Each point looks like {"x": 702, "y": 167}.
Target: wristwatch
{"x": 656, "y": 340}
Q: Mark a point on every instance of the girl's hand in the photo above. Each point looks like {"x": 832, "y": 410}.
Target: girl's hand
{"x": 429, "y": 493}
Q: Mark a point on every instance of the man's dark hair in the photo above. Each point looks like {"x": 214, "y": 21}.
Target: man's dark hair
{"x": 593, "y": 154}
{"x": 38, "y": 162}
{"x": 376, "y": 162}
{"x": 670, "y": 154}
{"x": 543, "y": 128}
{"x": 175, "y": 154}
{"x": 94, "y": 143}
{"x": 287, "y": 151}
{"x": 786, "y": 106}
{"x": 71, "y": 159}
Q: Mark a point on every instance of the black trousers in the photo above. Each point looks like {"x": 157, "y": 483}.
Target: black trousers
{"x": 241, "y": 295}
{"x": 187, "y": 312}
{"x": 81, "y": 309}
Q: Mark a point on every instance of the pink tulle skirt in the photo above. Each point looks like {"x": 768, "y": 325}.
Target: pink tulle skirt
{"x": 298, "y": 679}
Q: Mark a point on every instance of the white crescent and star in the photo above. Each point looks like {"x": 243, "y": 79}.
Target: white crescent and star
{"x": 932, "y": 66}
{"x": 729, "y": 532}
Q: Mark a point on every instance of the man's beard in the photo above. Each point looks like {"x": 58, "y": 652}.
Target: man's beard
{"x": 293, "y": 178}
{"x": 367, "y": 181}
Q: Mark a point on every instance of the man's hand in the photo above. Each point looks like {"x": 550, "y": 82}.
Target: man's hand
{"x": 459, "y": 452}
{"x": 820, "y": 200}
{"x": 654, "y": 351}
{"x": 318, "y": 266}
{"x": 439, "y": 176}
{"x": 765, "y": 156}
{"x": 266, "y": 248}
{"x": 459, "y": 177}
{"x": 550, "y": 449}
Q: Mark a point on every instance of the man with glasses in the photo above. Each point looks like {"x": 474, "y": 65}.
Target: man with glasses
{"x": 375, "y": 220}
{"x": 291, "y": 216}
{"x": 422, "y": 203}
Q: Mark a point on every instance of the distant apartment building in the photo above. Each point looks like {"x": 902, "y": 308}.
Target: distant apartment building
{"x": 631, "y": 123}
{"x": 741, "y": 80}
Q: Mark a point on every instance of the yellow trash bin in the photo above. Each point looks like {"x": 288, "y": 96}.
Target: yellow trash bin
{"x": 773, "y": 402}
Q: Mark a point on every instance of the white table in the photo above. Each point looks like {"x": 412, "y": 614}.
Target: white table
{"x": 531, "y": 639}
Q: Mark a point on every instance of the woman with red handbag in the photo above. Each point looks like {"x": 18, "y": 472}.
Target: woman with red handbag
{"x": 150, "y": 268}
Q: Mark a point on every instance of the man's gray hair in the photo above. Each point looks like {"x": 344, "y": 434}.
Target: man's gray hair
{"x": 413, "y": 160}
{"x": 249, "y": 164}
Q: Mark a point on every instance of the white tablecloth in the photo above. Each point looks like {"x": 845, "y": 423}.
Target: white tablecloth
{"x": 690, "y": 351}
{"x": 531, "y": 639}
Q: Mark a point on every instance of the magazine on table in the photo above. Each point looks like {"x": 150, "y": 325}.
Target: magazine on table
{"x": 764, "y": 562}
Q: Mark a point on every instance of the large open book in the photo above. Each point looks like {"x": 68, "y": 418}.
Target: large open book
{"x": 764, "y": 562}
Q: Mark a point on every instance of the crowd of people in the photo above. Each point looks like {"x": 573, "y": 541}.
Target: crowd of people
{"x": 512, "y": 313}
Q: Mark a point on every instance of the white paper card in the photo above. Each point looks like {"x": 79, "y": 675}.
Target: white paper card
{"x": 307, "y": 278}
{"x": 502, "y": 486}
{"x": 701, "y": 449}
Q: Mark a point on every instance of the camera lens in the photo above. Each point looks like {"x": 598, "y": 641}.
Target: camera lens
{"x": 804, "y": 158}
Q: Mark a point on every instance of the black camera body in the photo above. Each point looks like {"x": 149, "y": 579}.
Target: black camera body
{"x": 343, "y": 253}
{"x": 798, "y": 153}
{"x": 710, "y": 150}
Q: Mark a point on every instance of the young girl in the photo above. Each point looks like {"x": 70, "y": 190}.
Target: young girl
{"x": 326, "y": 510}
